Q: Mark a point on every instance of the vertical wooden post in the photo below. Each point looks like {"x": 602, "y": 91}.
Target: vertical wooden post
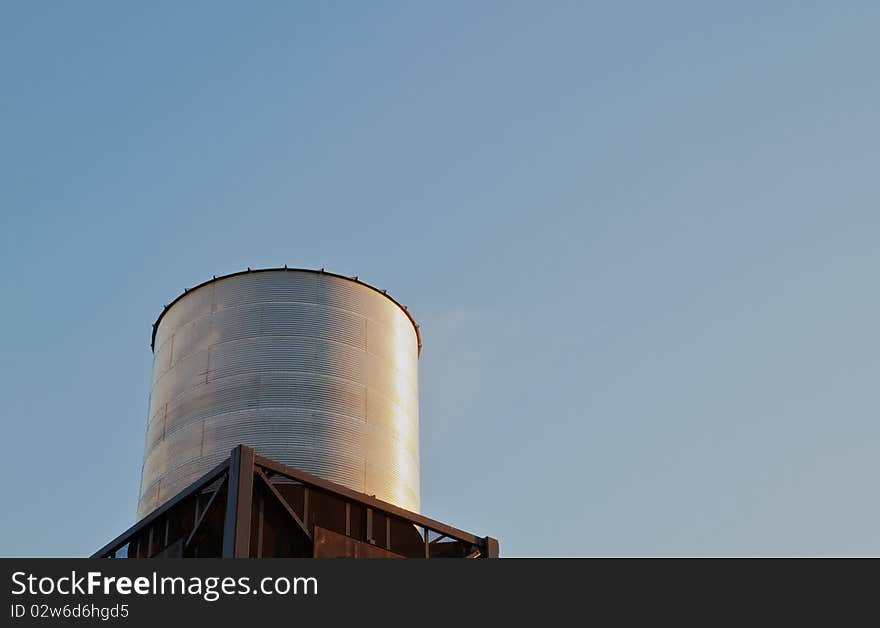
{"x": 491, "y": 545}
{"x": 237, "y": 524}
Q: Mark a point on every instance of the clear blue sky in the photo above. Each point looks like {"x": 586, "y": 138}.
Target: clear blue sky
{"x": 641, "y": 239}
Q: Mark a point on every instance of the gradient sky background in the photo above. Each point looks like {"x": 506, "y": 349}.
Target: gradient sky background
{"x": 642, "y": 242}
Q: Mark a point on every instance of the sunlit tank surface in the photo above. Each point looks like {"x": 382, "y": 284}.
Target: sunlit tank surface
{"x": 312, "y": 369}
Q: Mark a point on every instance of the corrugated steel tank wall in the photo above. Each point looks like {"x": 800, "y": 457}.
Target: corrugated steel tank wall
{"x": 314, "y": 370}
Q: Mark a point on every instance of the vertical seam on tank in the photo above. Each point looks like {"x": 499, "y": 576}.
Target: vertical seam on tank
{"x": 210, "y": 347}
{"x": 260, "y": 378}
{"x": 364, "y": 318}
{"x": 210, "y": 351}
{"x": 316, "y": 355}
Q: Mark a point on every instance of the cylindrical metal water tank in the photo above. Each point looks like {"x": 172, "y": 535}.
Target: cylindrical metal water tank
{"x": 312, "y": 369}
